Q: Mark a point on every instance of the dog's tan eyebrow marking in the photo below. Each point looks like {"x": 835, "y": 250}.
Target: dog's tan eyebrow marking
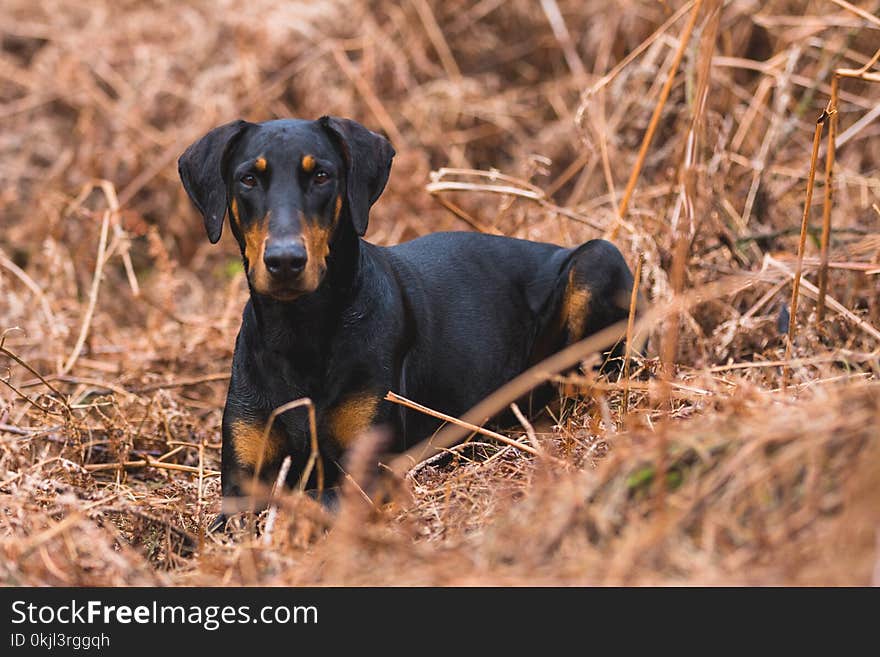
{"x": 260, "y": 163}
{"x": 307, "y": 163}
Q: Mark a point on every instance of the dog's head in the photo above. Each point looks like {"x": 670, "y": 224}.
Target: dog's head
{"x": 290, "y": 187}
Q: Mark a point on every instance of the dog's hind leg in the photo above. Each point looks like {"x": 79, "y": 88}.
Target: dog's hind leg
{"x": 597, "y": 290}
{"x": 589, "y": 290}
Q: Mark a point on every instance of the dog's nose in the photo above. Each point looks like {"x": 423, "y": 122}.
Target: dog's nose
{"x": 285, "y": 258}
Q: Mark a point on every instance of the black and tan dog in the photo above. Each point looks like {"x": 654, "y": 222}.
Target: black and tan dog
{"x": 443, "y": 319}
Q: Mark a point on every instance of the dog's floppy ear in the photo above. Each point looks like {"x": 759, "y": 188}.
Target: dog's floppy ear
{"x": 201, "y": 170}
{"x": 368, "y": 160}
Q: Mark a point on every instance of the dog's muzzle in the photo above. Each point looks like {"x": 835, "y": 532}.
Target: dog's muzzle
{"x": 285, "y": 260}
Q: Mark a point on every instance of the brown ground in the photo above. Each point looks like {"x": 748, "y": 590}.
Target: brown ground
{"x": 762, "y": 485}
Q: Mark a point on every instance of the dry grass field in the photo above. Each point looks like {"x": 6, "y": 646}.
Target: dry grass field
{"x": 727, "y": 457}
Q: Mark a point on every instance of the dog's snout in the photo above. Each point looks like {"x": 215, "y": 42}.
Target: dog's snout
{"x": 285, "y": 259}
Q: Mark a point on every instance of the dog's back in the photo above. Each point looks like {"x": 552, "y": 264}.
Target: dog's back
{"x": 485, "y": 307}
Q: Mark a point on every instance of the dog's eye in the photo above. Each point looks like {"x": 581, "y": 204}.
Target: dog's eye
{"x": 248, "y": 180}
{"x": 321, "y": 177}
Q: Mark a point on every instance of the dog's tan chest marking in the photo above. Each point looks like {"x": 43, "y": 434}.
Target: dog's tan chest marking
{"x": 352, "y": 417}
{"x": 250, "y": 447}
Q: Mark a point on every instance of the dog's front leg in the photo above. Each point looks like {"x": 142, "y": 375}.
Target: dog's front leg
{"x": 250, "y": 460}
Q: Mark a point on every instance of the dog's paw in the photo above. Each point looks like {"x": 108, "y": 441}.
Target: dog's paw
{"x": 327, "y": 497}
{"x": 219, "y": 523}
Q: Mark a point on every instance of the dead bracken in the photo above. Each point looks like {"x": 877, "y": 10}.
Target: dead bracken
{"x": 683, "y": 131}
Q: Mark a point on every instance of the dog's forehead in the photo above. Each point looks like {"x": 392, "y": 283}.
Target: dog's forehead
{"x": 287, "y": 139}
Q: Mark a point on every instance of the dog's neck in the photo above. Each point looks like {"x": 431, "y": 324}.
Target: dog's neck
{"x": 304, "y": 325}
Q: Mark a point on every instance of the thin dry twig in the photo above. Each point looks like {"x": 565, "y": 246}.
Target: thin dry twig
{"x": 181, "y": 383}
{"x": 100, "y": 260}
{"x": 858, "y": 11}
{"x": 560, "y": 31}
{"x": 435, "y": 34}
{"x": 630, "y": 336}
{"x": 829, "y": 300}
{"x": 795, "y": 289}
{"x": 276, "y": 491}
{"x": 658, "y": 110}
{"x": 530, "y": 430}
{"x": 831, "y": 113}
{"x": 149, "y": 463}
{"x": 18, "y": 272}
{"x": 403, "y": 401}
{"x": 313, "y": 456}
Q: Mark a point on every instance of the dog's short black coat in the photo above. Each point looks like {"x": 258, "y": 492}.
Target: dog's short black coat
{"x": 444, "y": 319}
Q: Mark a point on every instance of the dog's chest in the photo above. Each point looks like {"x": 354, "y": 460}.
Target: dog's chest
{"x": 346, "y": 393}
